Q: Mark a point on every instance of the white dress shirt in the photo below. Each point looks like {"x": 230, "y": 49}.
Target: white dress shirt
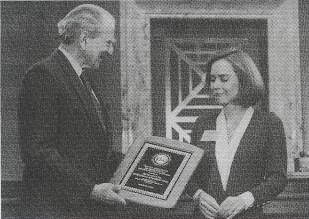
{"x": 78, "y": 69}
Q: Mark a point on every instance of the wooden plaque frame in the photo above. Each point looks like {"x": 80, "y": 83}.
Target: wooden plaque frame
{"x": 156, "y": 170}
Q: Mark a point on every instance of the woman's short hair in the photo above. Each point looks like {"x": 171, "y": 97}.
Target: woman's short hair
{"x": 251, "y": 85}
{"x": 86, "y": 17}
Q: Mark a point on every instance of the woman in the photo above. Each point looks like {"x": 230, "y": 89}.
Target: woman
{"x": 244, "y": 165}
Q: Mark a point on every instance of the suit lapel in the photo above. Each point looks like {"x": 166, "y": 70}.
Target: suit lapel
{"x": 67, "y": 74}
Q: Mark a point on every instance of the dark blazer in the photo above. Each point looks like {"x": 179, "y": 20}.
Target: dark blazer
{"x": 259, "y": 165}
{"x": 64, "y": 148}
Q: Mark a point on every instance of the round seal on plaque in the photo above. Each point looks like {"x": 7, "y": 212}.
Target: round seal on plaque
{"x": 161, "y": 159}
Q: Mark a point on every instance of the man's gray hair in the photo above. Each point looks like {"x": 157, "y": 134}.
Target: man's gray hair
{"x": 86, "y": 17}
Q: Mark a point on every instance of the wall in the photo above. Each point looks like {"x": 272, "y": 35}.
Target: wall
{"x": 28, "y": 34}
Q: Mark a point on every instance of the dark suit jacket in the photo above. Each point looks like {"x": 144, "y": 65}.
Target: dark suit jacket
{"x": 64, "y": 147}
{"x": 259, "y": 165}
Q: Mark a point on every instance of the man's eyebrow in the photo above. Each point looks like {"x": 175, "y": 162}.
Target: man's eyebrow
{"x": 224, "y": 75}
{"x": 220, "y": 75}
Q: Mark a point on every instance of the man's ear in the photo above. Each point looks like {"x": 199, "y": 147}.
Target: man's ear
{"x": 83, "y": 37}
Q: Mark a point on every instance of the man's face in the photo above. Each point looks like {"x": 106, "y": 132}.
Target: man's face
{"x": 96, "y": 48}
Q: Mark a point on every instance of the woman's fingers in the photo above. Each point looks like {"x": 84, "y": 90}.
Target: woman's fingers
{"x": 208, "y": 214}
{"x": 206, "y": 198}
{"x": 231, "y": 207}
{"x": 208, "y": 205}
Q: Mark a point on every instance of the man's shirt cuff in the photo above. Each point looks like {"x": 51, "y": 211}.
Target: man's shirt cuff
{"x": 197, "y": 194}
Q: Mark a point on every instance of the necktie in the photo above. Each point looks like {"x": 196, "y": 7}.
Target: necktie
{"x": 85, "y": 79}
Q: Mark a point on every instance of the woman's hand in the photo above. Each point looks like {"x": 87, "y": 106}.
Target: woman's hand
{"x": 208, "y": 205}
{"x": 231, "y": 207}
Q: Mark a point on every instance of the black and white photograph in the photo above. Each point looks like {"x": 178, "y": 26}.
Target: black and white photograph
{"x": 220, "y": 88}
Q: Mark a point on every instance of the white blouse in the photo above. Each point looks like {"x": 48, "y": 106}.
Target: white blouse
{"x": 225, "y": 151}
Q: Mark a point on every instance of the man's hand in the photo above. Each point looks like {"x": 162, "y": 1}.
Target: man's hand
{"x": 231, "y": 207}
{"x": 107, "y": 192}
{"x": 208, "y": 205}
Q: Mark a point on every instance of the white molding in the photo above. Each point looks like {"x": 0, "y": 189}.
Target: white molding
{"x": 285, "y": 76}
{"x": 209, "y": 16}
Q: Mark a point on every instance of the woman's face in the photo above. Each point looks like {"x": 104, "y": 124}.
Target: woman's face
{"x": 223, "y": 82}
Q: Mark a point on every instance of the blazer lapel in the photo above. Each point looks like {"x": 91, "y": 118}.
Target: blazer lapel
{"x": 209, "y": 147}
{"x": 244, "y": 148}
{"x": 69, "y": 75}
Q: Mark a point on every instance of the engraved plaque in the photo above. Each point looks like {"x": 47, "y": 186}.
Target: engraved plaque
{"x": 156, "y": 170}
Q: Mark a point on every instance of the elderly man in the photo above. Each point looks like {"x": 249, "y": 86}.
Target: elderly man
{"x": 65, "y": 129}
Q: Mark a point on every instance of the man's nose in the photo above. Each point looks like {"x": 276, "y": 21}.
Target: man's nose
{"x": 111, "y": 49}
{"x": 111, "y": 46}
{"x": 216, "y": 84}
